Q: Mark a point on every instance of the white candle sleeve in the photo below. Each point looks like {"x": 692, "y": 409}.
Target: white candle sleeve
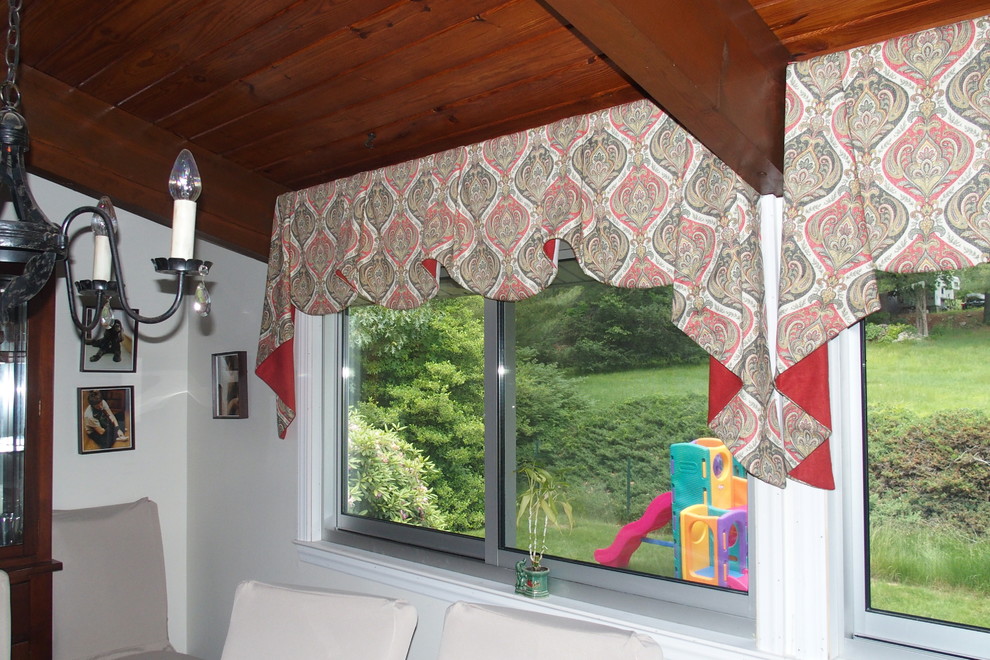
{"x": 101, "y": 258}
{"x": 183, "y": 228}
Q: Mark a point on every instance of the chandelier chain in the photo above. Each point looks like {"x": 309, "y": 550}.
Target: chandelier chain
{"x": 10, "y": 95}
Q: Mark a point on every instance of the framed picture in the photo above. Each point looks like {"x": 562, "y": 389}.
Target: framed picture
{"x": 106, "y": 419}
{"x": 230, "y": 392}
{"x": 109, "y": 349}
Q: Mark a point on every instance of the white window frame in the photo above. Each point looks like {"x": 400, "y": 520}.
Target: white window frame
{"x": 499, "y": 370}
{"x": 909, "y": 635}
{"x": 798, "y": 613}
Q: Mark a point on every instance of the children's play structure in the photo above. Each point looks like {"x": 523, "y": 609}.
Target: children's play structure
{"x": 707, "y": 505}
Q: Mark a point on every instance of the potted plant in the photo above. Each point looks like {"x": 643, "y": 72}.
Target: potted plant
{"x": 541, "y": 502}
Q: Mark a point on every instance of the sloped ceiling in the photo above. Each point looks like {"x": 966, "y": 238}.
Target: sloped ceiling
{"x": 277, "y": 95}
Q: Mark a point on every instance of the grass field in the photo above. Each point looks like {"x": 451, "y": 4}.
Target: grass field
{"x": 956, "y": 604}
{"x": 947, "y": 371}
{"x": 918, "y": 570}
{"x": 587, "y": 535}
{"x": 606, "y": 389}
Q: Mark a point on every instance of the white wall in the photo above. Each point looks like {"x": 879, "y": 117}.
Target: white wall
{"x": 226, "y": 489}
{"x": 156, "y": 467}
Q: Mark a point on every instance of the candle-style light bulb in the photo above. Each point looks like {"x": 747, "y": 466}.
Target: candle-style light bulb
{"x": 102, "y": 257}
{"x": 184, "y": 184}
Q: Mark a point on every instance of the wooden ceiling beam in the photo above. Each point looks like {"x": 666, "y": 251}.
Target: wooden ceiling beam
{"x": 713, "y": 65}
{"x": 91, "y": 146}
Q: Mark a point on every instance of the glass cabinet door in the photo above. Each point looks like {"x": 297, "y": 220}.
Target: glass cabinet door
{"x": 13, "y": 385}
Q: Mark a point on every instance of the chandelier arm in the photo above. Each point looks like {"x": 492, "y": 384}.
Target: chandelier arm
{"x": 180, "y": 286}
{"x": 115, "y": 289}
{"x": 101, "y": 298}
{"x": 33, "y": 232}
{"x": 119, "y": 274}
{"x": 83, "y": 326}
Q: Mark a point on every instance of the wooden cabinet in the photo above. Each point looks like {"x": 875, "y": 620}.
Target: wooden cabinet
{"x": 27, "y": 355}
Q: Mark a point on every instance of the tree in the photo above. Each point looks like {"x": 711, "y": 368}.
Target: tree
{"x": 421, "y": 371}
{"x": 913, "y": 289}
{"x": 977, "y": 280}
{"x": 548, "y": 406}
{"x": 594, "y": 328}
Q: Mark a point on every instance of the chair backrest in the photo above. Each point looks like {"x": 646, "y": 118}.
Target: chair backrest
{"x": 483, "y": 632}
{"x": 270, "y": 621}
{"x": 109, "y": 598}
{"x": 4, "y": 616}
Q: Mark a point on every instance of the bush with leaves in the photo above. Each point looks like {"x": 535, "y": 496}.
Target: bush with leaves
{"x": 886, "y": 333}
{"x": 604, "y": 329}
{"x": 421, "y": 371}
{"x": 636, "y": 436}
{"x": 548, "y": 407}
{"x": 935, "y": 468}
{"x": 387, "y": 478}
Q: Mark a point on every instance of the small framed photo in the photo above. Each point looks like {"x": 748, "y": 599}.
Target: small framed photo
{"x": 106, "y": 419}
{"x": 109, "y": 349}
{"x": 230, "y": 392}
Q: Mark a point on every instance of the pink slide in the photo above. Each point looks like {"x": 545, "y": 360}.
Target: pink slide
{"x": 657, "y": 515}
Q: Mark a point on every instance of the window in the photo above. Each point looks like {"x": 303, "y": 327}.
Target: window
{"x": 449, "y": 404}
{"x": 924, "y": 527}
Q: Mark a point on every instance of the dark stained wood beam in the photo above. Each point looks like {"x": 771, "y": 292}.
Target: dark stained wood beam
{"x": 827, "y": 27}
{"x": 713, "y": 65}
{"x": 94, "y": 147}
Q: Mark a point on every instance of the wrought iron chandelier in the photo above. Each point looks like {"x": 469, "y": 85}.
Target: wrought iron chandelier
{"x": 34, "y": 240}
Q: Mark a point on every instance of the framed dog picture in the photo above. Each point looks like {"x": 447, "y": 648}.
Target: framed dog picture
{"x": 106, "y": 419}
{"x": 109, "y": 349}
{"x": 230, "y": 400}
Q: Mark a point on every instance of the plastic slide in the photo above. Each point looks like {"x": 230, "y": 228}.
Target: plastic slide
{"x": 738, "y": 582}
{"x": 657, "y": 515}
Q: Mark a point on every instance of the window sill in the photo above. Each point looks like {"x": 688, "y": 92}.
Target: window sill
{"x": 438, "y": 575}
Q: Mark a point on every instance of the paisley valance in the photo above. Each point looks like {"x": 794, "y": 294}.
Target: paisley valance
{"x": 886, "y": 168}
{"x": 640, "y": 202}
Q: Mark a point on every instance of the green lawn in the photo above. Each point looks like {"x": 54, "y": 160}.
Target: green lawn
{"x": 921, "y": 570}
{"x": 954, "y": 604}
{"x": 606, "y": 389}
{"x": 901, "y": 373}
{"x": 587, "y": 535}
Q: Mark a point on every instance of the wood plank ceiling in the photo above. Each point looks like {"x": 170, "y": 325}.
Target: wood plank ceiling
{"x": 277, "y": 95}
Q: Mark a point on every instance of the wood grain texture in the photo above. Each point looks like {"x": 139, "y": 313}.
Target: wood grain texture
{"x": 812, "y": 27}
{"x": 718, "y": 72}
{"x": 274, "y": 95}
{"x": 76, "y": 138}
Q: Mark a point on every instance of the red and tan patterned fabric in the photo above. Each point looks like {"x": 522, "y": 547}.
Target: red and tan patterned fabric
{"x": 640, "y": 202}
{"x": 885, "y": 168}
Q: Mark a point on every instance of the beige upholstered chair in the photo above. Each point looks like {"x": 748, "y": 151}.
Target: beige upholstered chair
{"x": 109, "y": 598}
{"x": 270, "y": 621}
{"x": 482, "y": 632}
{"x": 4, "y": 616}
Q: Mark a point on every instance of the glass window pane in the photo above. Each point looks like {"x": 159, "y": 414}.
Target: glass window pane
{"x": 415, "y": 415}
{"x": 928, "y": 448}
{"x": 608, "y": 392}
{"x": 13, "y": 387}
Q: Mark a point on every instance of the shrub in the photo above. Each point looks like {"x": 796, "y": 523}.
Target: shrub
{"x": 886, "y": 333}
{"x": 421, "y": 372}
{"x": 633, "y": 436}
{"x": 548, "y": 407}
{"x": 936, "y": 466}
{"x": 387, "y": 478}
